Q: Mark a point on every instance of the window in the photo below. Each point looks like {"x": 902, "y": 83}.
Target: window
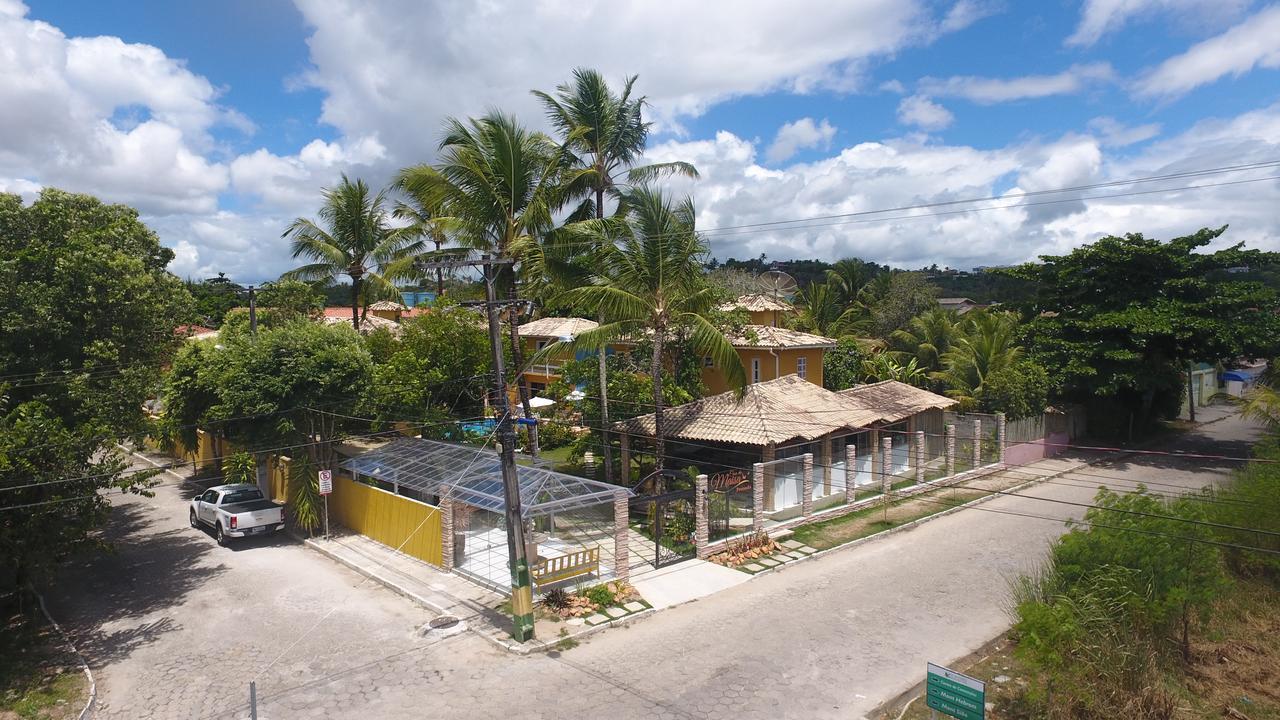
{"x": 802, "y": 367}
{"x": 707, "y": 362}
{"x": 541, "y": 344}
{"x": 755, "y": 370}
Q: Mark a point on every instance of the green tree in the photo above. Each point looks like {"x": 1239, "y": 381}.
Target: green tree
{"x": 927, "y": 338}
{"x": 498, "y": 183}
{"x": 353, "y": 238}
{"x": 894, "y": 298}
{"x": 842, "y": 366}
{"x": 882, "y": 366}
{"x": 88, "y": 312}
{"x": 1116, "y": 322}
{"x": 821, "y": 311}
{"x": 652, "y": 282}
{"x": 1019, "y": 390}
{"x": 987, "y": 346}
{"x": 604, "y": 134}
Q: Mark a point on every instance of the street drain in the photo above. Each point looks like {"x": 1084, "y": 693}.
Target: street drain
{"x": 446, "y": 625}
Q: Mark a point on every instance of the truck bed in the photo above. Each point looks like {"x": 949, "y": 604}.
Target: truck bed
{"x": 251, "y": 506}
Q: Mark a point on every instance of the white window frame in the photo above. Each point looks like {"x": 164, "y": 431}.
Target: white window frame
{"x": 802, "y": 367}
{"x": 755, "y": 370}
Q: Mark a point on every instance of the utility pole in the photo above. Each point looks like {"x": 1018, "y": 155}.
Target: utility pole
{"x": 521, "y": 584}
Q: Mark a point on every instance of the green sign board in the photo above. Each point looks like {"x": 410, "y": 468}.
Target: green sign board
{"x": 951, "y": 693}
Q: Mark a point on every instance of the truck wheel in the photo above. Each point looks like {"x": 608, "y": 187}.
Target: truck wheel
{"x": 194, "y": 522}
{"x": 223, "y": 540}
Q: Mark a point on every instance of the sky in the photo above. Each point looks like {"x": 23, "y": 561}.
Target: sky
{"x": 807, "y": 120}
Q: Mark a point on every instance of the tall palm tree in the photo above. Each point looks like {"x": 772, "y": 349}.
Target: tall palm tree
{"x": 927, "y": 338}
{"x": 498, "y": 183}
{"x": 431, "y": 225}
{"x": 353, "y": 238}
{"x": 989, "y": 344}
{"x": 604, "y": 133}
{"x": 651, "y": 281}
{"x": 821, "y": 311}
{"x": 883, "y": 366}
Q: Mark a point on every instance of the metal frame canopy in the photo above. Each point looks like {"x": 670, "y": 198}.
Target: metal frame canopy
{"x": 475, "y": 474}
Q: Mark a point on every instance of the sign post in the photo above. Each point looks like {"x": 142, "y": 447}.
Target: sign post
{"x": 954, "y": 694}
{"x": 326, "y": 488}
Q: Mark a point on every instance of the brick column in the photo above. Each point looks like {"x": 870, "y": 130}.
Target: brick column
{"x": 446, "y": 528}
{"x": 977, "y": 443}
{"x": 827, "y": 462}
{"x": 701, "y": 510}
{"x": 850, "y": 473}
{"x": 625, "y": 441}
{"x": 886, "y": 468}
{"x": 806, "y": 486}
{"x": 757, "y": 497}
{"x": 1000, "y": 437}
{"x": 621, "y": 537}
{"x": 950, "y": 432}
{"x": 917, "y": 458}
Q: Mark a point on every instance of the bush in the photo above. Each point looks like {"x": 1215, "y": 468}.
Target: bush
{"x": 600, "y": 595}
{"x": 1020, "y": 390}
{"x": 552, "y": 435}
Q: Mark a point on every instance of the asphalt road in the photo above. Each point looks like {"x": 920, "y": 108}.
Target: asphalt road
{"x": 175, "y": 626}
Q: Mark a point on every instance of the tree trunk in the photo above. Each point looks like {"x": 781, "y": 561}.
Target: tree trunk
{"x": 603, "y": 370}
{"x": 517, "y": 358}
{"x": 439, "y": 241}
{"x": 355, "y": 302}
{"x": 659, "y": 445}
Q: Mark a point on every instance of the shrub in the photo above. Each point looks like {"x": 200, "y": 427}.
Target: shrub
{"x": 1020, "y": 390}
{"x": 600, "y": 595}
{"x": 240, "y": 468}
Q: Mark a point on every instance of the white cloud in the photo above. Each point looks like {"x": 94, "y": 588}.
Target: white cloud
{"x": 291, "y": 184}
{"x": 1103, "y": 17}
{"x": 988, "y": 91}
{"x": 893, "y": 86}
{"x": 1114, "y": 133}
{"x": 1255, "y": 42}
{"x": 922, "y": 112}
{"x": 966, "y": 12}
{"x": 800, "y": 135}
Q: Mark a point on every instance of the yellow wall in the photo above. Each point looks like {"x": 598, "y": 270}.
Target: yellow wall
{"x": 786, "y": 361}
{"x": 386, "y": 518}
{"x": 392, "y": 315}
{"x": 278, "y": 473}
{"x": 766, "y": 317}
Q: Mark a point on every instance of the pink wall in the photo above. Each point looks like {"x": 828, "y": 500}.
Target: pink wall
{"x": 1023, "y": 453}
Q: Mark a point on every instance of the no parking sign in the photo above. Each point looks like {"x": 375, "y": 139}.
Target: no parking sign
{"x": 326, "y": 482}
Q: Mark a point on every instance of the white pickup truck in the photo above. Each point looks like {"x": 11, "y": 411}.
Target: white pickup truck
{"x": 235, "y": 511}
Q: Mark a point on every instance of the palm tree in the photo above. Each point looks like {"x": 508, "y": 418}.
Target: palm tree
{"x": 353, "y": 238}
{"x": 883, "y": 366}
{"x": 498, "y": 184}
{"x": 604, "y": 133}
{"x": 927, "y": 338}
{"x": 821, "y": 311}
{"x": 429, "y": 224}
{"x": 988, "y": 345}
{"x": 651, "y": 281}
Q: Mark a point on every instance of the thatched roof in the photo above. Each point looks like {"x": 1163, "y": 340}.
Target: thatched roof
{"x": 556, "y": 327}
{"x": 757, "y": 302}
{"x": 769, "y": 413}
{"x": 767, "y": 336}
{"x": 895, "y": 400}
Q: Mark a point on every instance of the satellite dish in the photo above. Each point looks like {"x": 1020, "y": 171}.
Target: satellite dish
{"x": 777, "y": 284}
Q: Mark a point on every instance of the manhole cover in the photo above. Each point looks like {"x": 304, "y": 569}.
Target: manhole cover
{"x": 444, "y": 622}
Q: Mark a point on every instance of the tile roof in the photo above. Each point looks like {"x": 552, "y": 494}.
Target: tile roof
{"x": 895, "y": 400}
{"x": 769, "y": 413}
{"x": 387, "y": 305}
{"x": 555, "y": 327}
{"x": 368, "y": 325}
{"x": 767, "y": 336}
{"x": 757, "y": 302}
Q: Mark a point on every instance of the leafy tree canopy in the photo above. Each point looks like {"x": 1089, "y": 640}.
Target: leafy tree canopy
{"x": 1019, "y": 390}
{"x": 842, "y": 366}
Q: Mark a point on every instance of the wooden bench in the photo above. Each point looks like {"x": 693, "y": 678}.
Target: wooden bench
{"x": 564, "y": 567}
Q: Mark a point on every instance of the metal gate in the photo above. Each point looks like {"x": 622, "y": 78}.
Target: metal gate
{"x": 668, "y": 521}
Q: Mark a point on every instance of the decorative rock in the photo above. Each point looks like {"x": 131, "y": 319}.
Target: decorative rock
{"x": 633, "y": 606}
{"x": 615, "y": 612}
{"x": 597, "y": 619}
{"x": 1001, "y": 679}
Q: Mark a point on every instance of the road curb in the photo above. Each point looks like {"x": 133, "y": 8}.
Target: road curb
{"x": 84, "y": 664}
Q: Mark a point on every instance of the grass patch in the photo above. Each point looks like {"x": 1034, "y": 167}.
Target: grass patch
{"x": 872, "y": 519}
{"x": 39, "y": 679}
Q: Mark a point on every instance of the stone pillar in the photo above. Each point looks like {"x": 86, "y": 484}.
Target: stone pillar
{"x": 977, "y": 443}
{"x": 886, "y": 468}
{"x": 806, "y": 486}
{"x": 701, "y": 510}
{"x": 917, "y": 458}
{"x": 850, "y": 473}
{"x": 768, "y": 456}
{"x": 624, "y": 440}
{"x": 950, "y": 432}
{"x": 446, "y": 528}
{"x": 1000, "y": 437}
{"x": 757, "y": 497}
{"x": 621, "y": 537}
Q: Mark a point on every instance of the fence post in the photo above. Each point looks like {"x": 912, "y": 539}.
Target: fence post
{"x": 621, "y": 537}
{"x": 950, "y": 432}
{"x": 806, "y": 487}
{"x": 757, "y": 497}
{"x": 446, "y": 528}
{"x": 702, "y": 526}
{"x": 886, "y": 472}
{"x": 850, "y": 473}
{"x": 918, "y": 459}
{"x": 977, "y": 443}
{"x": 625, "y": 441}
{"x": 1000, "y": 437}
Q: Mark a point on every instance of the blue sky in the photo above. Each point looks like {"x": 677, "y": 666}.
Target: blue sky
{"x": 222, "y": 121}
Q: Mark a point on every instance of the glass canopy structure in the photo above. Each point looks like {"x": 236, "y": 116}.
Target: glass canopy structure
{"x": 475, "y": 474}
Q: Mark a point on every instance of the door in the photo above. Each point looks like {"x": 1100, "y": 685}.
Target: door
{"x": 668, "y": 521}
{"x": 208, "y": 511}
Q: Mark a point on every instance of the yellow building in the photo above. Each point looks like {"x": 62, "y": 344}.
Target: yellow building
{"x": 536, "y": 335}
{"x": 769, "y": 353}
{"x": 762, "y": 309}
